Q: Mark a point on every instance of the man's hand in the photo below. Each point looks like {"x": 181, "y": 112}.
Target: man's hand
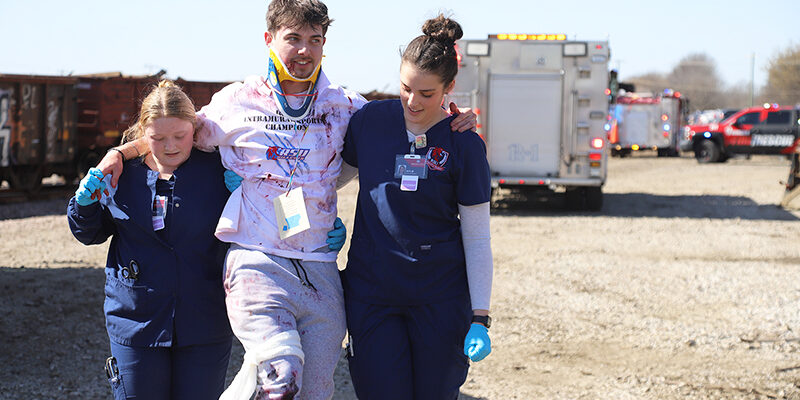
{"x": 337, "y": 236}
{"x": 232, "y": 180}
{"x": 465, "y": 119}
{"x": 111, "y": 164}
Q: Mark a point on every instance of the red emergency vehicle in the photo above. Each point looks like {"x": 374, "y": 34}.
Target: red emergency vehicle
{"x": 643, "y": 121}
{"x": 769, "y": 129}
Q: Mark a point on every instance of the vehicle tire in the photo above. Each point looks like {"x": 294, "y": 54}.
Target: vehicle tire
{"x": 708, "y": 152}
{"x": 573, "y": 199}
{"x": 594, "y": 198}
{"x": 673, "y": 153}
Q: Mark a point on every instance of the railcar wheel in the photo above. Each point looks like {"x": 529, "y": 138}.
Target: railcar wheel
{"x": 87, "y": 160}
{"x": 26, "y": 178}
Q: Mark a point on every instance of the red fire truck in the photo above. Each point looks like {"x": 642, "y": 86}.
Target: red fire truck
{"x": 643, "y": 121}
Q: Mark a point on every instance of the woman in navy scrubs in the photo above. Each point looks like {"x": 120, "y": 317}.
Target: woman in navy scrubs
{"x": 419, "y": 272}
{"x": 164, "y": 299}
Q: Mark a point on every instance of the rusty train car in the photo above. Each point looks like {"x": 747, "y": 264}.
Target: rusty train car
{"x": 64, "y": 124}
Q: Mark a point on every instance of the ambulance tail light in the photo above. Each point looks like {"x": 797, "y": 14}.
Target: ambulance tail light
{"x": 664, "y": 117}
{"x": 597, "y": 143}
{"x": 595, "y": 156}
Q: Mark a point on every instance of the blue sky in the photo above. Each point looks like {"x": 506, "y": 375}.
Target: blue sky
{"x": 223, "y": 40}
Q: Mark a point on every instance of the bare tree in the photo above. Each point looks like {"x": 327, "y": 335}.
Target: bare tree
{"x": 696, "y": 77}
{"x": 735, "y": 96}
{"x": 650, "y": 82}
{"x": 783, "y": 82}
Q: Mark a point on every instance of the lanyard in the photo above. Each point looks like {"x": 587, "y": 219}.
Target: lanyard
{"x": 297, "y": 157}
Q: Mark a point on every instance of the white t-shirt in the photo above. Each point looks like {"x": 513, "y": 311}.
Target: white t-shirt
{"x": 260, "y": 144}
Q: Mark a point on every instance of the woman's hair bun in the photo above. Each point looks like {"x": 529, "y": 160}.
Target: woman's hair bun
{"x": 442, "y": 29}
{"x": 166, "y": 83}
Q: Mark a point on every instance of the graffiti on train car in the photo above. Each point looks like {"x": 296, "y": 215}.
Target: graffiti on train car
{"x": 5, "y": 126}
{"x": 52, "y": 129}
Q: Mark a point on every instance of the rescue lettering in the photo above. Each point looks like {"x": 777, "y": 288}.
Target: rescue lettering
{"x": 771, "y": 140}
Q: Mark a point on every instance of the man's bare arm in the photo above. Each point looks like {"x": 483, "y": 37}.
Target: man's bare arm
{"x": 112, "y": 161}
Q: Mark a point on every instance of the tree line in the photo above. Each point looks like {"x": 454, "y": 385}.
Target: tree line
{"x": 696, "y": 77}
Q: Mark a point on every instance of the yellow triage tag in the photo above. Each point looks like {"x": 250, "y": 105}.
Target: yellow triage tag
{"x": 290, "y": 213}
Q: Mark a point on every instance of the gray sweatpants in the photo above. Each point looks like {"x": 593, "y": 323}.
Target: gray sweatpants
{"x": 267, "y": 295}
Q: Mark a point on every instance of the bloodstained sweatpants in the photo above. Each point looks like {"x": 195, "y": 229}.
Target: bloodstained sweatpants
{"x": 267, "y": 295}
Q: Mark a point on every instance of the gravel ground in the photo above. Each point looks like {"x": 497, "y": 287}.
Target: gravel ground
{"x": 683, "y": 286}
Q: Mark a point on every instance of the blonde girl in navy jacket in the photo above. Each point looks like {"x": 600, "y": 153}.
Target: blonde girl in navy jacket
{"x": 164, "y": 299}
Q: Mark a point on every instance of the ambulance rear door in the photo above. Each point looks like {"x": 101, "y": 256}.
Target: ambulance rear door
{"x": 525, "y": 124}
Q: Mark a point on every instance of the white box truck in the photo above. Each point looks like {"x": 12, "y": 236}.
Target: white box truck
{"x": 542, "y": 103}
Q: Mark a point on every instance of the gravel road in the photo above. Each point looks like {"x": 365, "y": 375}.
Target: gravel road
{"x": 685, "y": 285}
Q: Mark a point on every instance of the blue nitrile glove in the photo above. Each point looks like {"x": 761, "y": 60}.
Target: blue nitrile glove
{"x": 232, "y": 180}
{"x": 337, "y": 236}
{"x": 90, "y": 188}
{"x": 477, "y": 345}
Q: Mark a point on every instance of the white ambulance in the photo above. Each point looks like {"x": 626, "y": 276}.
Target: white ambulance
{"x": 542, "y": 102}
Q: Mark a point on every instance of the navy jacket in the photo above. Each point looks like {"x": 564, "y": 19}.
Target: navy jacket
{"x": 406, "y": 247}
{"x": 177, "y": 298}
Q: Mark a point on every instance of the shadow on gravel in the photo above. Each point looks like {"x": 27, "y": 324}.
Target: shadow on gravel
{"x": 36, "y": 208}
{"x": 641, "y": 205}
{"x": 52, "y": 333}
{"x": 53, "y": 340}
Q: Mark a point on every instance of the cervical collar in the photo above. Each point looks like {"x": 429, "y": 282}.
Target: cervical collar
{"x": 278, "y": 73}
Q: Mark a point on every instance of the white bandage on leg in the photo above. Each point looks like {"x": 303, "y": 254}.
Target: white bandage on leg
{"x": 283, "y": 344}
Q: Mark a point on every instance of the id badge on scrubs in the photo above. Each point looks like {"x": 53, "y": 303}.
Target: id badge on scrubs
{"x": 159, "y": 212}
{"x": 290, "y": 213}
{"x": 410, "y": 168}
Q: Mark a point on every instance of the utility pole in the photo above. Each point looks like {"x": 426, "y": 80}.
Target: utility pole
{"x": 752, "y": 76}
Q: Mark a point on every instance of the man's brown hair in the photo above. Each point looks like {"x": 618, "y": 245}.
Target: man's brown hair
{"x": 297, "y": 13}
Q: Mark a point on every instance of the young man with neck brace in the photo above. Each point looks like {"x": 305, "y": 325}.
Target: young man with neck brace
{"x": 283, "y": 135}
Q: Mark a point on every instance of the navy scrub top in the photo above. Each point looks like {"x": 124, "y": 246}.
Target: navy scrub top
{"x": 178, "y": 298}
{"x": 406, "y": 247}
